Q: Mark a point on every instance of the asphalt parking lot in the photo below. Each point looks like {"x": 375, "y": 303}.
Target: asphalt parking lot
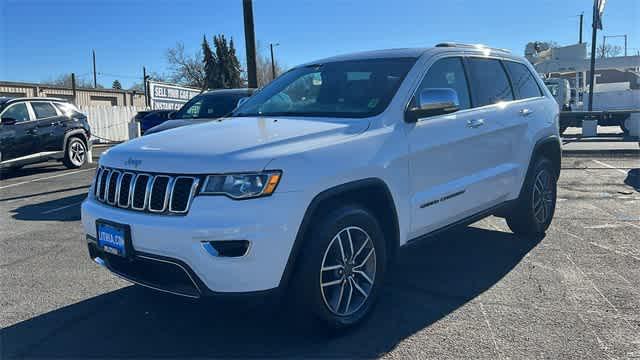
{"x": 476, "y": 292}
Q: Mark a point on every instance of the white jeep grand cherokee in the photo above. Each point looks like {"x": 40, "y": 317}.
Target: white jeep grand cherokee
{"x": 313, "y": 183}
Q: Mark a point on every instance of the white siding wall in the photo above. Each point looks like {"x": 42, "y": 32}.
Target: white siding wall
{"x": 109, "y": 124}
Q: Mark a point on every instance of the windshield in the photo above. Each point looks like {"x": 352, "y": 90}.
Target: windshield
{"x": 208, "y": 106}
{"x": 359, "y": 88}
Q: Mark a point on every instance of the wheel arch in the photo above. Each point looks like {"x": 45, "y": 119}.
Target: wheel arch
{"x": 79, "y": 133}
{"x": 372, "y": 193}
{"x": 550, "y": 148}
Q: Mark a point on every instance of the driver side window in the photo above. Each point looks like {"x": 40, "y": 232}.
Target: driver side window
{"x": 18, "y": 112}
{"x": 447, "y": 73}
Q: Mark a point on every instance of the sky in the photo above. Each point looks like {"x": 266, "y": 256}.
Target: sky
{"x": 42, "y": 39}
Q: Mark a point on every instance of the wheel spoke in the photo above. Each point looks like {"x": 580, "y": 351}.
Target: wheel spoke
{"x": 364, "y": 244}
{"x": 350, "y": 245}
{"x": 364, "y": 275}
{"x": 365, "y": 259}
{"x": 332, "y": 267}
{"x": 346, "y": 309}
{"x": 331, "y": 283}
{"x": 337, "y": 309}
{"x": 354, "y": 283}
{"x": 344, "y": 259}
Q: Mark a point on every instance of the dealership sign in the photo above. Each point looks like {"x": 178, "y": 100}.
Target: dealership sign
{"x": 169, "y": 97}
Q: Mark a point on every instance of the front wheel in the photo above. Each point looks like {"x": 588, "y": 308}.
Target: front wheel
{"x": 537, "y": 202}
{"x": 342, "y": 267}
{"x": 76, "y": 153}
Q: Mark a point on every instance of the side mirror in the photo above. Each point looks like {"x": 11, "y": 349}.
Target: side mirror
{"x": 8, "y": 121}
{"x": 171, "y": 115}
{"x": 242, "y": 101}
{"x": 432, "y": 102}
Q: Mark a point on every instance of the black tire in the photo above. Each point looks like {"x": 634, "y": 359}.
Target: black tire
{"x": 75, "y": 154}
{"x": 319, "y": 250}
{"x": 528, "y": 218}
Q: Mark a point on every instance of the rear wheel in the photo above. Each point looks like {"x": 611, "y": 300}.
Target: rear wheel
{"x": 76, "y": 153}
{"x": 342, "y": 267}
{"x": 537, "y": 202}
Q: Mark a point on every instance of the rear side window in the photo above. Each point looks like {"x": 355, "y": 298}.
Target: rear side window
{"x": 489, "y": 82}
{"x": 43, "y": 110}
{"x": 447, "y": 73}
{"x": 522, "y": 80}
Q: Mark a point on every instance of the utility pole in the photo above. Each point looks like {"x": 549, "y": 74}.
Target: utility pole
{"x": 581, "y": 20}
{"x": 273, "y": 62}
{"x": 250, "y": 43}
{"x": 596, "y": 22}
{"x": 145, "y": 85}
{"x": 95, "y": 77}
{"x": 73, "y": 88}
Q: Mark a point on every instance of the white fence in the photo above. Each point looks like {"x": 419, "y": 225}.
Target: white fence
{"x": 110, "y": 124}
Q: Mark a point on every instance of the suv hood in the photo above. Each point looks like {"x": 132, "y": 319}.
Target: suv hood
{"x": 232, "y": 145}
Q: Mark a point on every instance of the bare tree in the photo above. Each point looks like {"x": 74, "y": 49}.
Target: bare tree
{"x": 64, "y": 80}
{"x": 263, "y": 65}
{"x": 608, "y": 50}
{"x": 186, "y": 69}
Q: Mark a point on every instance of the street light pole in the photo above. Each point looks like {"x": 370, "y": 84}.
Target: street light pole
{"x": 273, "y": 62}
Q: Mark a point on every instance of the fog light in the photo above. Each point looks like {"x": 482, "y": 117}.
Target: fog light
{"x": 230, "y": 248}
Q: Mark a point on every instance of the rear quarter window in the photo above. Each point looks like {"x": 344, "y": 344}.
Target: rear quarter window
{"x": 524, "y": 84}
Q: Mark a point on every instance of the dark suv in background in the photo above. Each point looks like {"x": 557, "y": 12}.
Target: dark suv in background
{"x": 211, "y": 104}
{"x": 40, "y": 129}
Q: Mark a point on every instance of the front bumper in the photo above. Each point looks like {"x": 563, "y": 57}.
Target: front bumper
{"x": 270, "y": 224}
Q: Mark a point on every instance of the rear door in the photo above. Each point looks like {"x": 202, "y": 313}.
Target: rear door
{"x": 526, "y": 112}
{"x": 51, "y": 126}
{"x": 19, "y": 139}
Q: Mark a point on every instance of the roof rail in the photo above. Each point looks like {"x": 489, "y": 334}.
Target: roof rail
{"x": 472, "y": 46}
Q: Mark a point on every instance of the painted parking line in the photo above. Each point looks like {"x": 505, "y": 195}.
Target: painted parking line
{"x": 61, "y": 208}
{"x": 46, "y": 178}
{"x": 609, "y": 166}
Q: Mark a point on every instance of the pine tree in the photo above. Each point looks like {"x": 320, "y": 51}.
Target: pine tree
{"x": 209, "y": 65}
{"x": 116, "y": 85}
{"x": 222, "y": 68}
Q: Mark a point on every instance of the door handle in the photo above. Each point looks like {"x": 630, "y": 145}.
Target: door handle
{"x": 526, "y": 112}
{"x": 475, "y": 123}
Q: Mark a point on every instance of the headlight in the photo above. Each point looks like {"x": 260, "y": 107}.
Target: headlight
{"x": 242, "y": 186}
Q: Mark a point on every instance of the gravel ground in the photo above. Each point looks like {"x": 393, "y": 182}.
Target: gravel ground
{"x": 476, "y": 292}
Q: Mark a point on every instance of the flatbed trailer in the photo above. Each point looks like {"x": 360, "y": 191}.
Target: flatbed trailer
{"x": 604, "y": 117}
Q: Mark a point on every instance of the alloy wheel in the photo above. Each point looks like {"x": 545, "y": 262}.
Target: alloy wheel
{"x": 543, "y": 196}
{"x": 77, "y": 153}
{"x": 348, "y": 271}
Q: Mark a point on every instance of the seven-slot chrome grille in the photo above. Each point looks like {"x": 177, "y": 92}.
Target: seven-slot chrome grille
{"x": 155, "y": 193}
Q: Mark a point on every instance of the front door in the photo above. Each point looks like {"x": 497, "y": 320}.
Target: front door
{"x": 18, "y": 139}
{"x": 457, "y": 161}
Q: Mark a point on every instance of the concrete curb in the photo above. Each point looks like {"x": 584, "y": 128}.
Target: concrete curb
{"x": 602, "y": 153}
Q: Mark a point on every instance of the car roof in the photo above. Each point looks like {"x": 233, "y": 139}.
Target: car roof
{"x": 238, "y": 91}
{"x": 6, "y": 100}
{"x": 415, "y": 53}
{"x": 374, "y": 54}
